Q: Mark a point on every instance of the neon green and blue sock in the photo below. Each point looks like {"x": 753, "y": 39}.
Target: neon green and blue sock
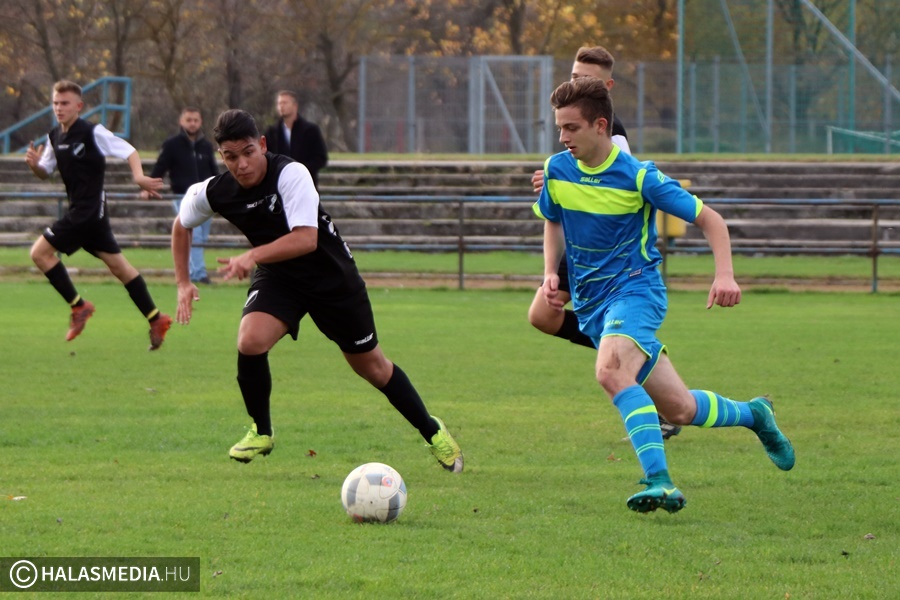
{"x": 714, "y": 410}
{"x": 642, "y": 424}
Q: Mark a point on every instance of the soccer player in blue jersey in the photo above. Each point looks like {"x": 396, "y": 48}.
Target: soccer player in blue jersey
{"x": 599, "y": 206}
{"x": 590, "y": 61}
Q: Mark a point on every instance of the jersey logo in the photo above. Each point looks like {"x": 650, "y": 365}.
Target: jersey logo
{"x": 660, "y": 176}
{"x": 274, "y": 207}
{"x": 591, "y": 180}
{"x": 251, "y": 298}
{"x": 78, "y": 150}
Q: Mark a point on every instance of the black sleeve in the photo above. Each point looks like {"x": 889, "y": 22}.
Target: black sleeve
{"x": 618, "y": 128}
{"x": 272, "y": 141}
{"x": 318, "y": 153}
{"x": 213, "y": 165}
{"x": 163, "y": 162}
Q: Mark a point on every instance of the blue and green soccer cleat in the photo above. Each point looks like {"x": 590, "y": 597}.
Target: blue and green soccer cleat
{"x": 445, "y": 449}
{"x": 251, "y": 445}
{"x": 660, "y": 493}
{"x": 777, "y": 446}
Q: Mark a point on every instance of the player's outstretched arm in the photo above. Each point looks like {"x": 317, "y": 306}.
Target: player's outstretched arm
{"x": 151, "y": 185}
{"x": 300, "y": 241}
{"x": 724, "y": 291}
{"x": 187, "y": 291}
{"x": 33, "y": 157}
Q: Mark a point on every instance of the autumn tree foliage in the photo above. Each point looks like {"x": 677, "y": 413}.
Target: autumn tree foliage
{"x": 217, "y": 54}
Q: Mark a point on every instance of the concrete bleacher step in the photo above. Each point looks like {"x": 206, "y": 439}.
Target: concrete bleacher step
{"x": 353, "y": 193}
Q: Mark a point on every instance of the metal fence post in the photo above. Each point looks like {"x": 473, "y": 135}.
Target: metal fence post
{"x": 461, "y": 244}
{"x": 875, "y": 249}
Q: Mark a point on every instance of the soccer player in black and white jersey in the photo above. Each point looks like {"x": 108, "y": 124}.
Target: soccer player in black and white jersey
{"x": 555, "y": 319}
{"x": 299, "y": 266}
{"x": 78, "y": 149}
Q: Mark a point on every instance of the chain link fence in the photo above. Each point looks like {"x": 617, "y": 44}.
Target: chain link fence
{"x": 757, "y": 76}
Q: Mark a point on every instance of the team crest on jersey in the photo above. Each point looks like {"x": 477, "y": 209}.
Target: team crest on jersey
{"x": 78, "y": 150}
{"x": 274, "y": 206}
{"x": 660, "y": 176}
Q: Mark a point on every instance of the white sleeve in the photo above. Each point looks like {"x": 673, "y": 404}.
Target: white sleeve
{"x": 48, "y": 159}
{"x": 195, "y": 208}
{"x": 301, "y": 200}
{"x": 622, "y": 142}
{"x": 111, "y": 145}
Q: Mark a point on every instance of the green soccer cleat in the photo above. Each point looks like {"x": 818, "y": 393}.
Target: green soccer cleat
{"x": 777, "y": 446}
{"x": 445, "y": 449}
{"x": 660, "y": 493}
{"x": 251, "y": 445}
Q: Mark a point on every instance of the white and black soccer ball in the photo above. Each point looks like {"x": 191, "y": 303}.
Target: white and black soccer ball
{"x": 374, "y": 493}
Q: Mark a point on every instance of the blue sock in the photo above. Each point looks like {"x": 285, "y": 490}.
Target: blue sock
{"x": 642, "y": 424}
{"x": 714, "y": 410}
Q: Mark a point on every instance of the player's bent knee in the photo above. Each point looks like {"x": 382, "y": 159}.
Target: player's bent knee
{"x": 543, "y": 319}
{"x": 372, "y": 366}
{"x": 613, "y": 381}
{"x": 42, "y": 255}
{"x": 251, "y": 344}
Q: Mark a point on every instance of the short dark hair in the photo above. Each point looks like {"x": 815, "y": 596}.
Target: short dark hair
{"x": 191, "y": 109}
{"x": 290, "y": 93}
{"x": 235, "y": 125}
{"x": 64, "y": 85}
{"x": 595, "y": 55}
{"x": 589, "y": 95}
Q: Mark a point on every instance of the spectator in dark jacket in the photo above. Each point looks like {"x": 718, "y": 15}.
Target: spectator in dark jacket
{"x": 188, "y": 157}
{"x": 296, "y": 137}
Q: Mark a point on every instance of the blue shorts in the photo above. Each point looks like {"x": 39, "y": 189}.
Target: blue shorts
{"x": 636, "y": 314}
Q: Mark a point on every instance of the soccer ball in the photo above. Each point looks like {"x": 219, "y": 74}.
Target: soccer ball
{"x": 373, "y": 493}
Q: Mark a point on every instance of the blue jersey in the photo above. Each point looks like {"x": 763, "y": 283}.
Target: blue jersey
{"x": 608, "y": 216}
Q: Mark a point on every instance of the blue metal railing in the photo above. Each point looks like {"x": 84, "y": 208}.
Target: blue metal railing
{"x": 104, "y": 108}
{"x": 872, "y": 248}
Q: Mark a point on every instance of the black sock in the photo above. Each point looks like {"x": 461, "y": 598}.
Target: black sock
{"x": 404, "y": 397}
{"x": 140, "y": 295}
{"x": 62, "y": 283}
{"x": 255, "y": 381}
{"x": 569, "y": 331}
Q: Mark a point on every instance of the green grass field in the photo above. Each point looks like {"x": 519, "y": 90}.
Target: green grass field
{"x": 121, "y": 452}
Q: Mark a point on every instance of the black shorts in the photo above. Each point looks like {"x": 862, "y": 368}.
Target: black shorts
{"x": 93, "y": 233}
{"x": 564, "y": 276}
{"x": 346, "y": 320}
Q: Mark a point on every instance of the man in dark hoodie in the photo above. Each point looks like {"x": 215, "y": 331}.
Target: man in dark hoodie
{"x": 296, "y": 137}
{"x": 189, "y": 158}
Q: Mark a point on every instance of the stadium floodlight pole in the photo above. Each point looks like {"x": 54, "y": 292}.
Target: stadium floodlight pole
{"x": 361, "y": 118}
{"x": 851, "y": 70}
{"x": 679, "y": 101}
{"x": 851, "y": 48}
